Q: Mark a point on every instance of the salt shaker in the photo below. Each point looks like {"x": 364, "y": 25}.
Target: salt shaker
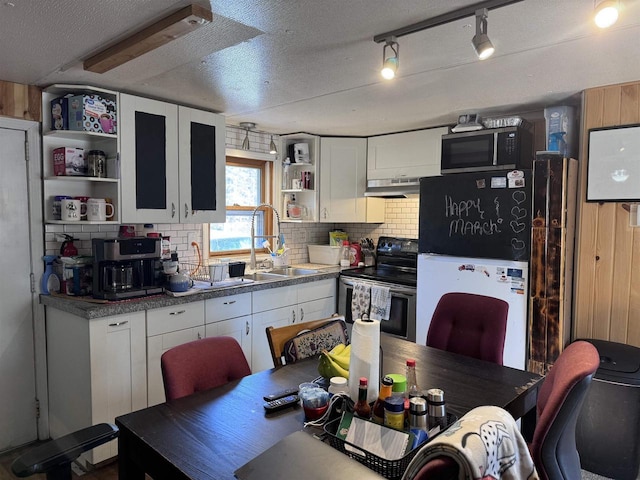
{"x": 436, "y": 408}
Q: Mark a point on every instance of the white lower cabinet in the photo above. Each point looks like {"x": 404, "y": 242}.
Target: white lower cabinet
{"x": 282, "y": 306}
{"x": 231, "y": 316}
{"x": 96, "y": 372}
{"x": 167, "y": 328}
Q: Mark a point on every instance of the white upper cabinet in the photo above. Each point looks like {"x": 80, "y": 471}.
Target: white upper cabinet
{"x": 172, "y": 163}
{"x": 410, "y": 154}
{"x": 343, "y": 179}
{"x": 149, "y": 160}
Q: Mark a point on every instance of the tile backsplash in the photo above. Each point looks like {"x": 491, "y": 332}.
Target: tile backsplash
{"x": 401, "y": 220}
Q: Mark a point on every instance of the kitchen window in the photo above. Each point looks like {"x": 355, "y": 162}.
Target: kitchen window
{"x": 248, "y": 182}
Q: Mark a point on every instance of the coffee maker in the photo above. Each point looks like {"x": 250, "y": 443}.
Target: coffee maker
{"x": 126, "y": 267}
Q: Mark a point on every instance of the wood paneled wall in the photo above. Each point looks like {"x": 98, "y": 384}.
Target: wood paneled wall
{"x": 20, "y": 101}
{"x": 607, "y": 286}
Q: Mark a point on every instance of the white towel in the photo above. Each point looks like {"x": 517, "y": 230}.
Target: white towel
{"x": 380, "y": 303}
{"x": 485, "y": 443}
{"x": 360, "y": 300}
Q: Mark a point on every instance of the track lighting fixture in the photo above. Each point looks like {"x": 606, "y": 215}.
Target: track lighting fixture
{"x": 390, "y": 63}
{"x": 247, "y": 126}
{"x": 272, "y": 147}
{"x": 481, "y": 43}
{"x": 606, "y": 12}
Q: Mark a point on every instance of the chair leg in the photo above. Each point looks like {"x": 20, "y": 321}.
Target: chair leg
{"x": 61, "y": 472}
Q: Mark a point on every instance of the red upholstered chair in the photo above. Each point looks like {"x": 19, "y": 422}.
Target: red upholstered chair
{"x": 440, "y": 468}
{"x": 469, "y": 324}
{"x": 559, "y": 402}
{"x": 201, "y": 365}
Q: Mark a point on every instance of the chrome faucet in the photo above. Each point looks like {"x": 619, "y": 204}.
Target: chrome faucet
{"x": 253, "y": 235}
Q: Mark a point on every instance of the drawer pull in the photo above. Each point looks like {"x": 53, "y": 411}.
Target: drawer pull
{"x": 199, "y": 336}
{"x": 229, "y": 303}
{"x": 293, "y": 316}
{"x": 180, "y": 312}
{"x": 117, "y": 324}
{"x": 247, "y": 328}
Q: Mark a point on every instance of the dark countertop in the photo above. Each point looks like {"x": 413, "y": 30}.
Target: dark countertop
{"x": 90, "y": 310}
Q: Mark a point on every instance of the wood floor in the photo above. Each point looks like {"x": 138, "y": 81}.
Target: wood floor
{"x": 109, "y": 471}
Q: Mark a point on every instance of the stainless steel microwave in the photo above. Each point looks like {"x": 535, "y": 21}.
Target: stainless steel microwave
{"x": 507, "y": 148}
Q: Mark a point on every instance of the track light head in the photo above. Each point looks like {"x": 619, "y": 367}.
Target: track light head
{"x": 481, "y": 43}
{"x": 272, "y": 147}
{"x": 606, "y": 13}
{"x": 390, "y": 62}
{"x": 247, "y": 126}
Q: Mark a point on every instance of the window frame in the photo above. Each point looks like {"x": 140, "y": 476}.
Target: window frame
{"x": 252, "y": 160}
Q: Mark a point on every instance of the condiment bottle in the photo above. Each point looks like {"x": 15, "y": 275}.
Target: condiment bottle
{"x": 394, "y": 412}
{"x": 412, "y": 384}
{"x": 436, "y": 408}
{"x": 377, "y": 412}
{"x": 418, "y": 420}
{"x": 362, "y": 408}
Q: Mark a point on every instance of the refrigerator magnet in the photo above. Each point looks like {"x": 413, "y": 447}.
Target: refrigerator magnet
{"x": 498, "y": 182}
{"x": 516, "y": 179}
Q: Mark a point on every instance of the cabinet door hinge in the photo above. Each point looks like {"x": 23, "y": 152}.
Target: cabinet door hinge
{"x": 37, "y": 408}
{"x": 32, "y": 279}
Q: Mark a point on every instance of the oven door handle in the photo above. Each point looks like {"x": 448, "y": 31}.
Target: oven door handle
{"x": 395, "y": 290}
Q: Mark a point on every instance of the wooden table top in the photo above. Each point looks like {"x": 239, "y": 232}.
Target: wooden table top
{"x": 211, "y": 434}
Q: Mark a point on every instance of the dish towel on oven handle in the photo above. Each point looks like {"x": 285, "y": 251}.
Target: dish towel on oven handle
{"x": 360, "y": 300}
{"x": 380, "y": 303}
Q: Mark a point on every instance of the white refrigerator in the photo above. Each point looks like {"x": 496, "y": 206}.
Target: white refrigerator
{"x": 504, "y": 279}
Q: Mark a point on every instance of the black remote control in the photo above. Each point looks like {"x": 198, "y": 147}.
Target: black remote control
{"x": 282, "y": 393}
{"x": 281, "y": 403}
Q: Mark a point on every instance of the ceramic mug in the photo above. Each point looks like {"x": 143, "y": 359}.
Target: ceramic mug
{"x": 72, "y": 210}
{"x": 97, "y": 210}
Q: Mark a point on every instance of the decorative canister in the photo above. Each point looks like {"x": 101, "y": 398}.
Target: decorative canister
{"x": 97, "y": 162}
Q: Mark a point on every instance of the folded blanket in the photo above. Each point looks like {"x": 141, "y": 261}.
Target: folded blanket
{"x": 485, "y": 443}
{"x": 380, "y": 303}
{"x": 360, "y": 300}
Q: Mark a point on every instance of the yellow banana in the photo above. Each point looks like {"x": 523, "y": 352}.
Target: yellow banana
{"x": 338, "y": 349}
{"x": 324, "y": 367}
{"x": 334, "y": 368}
{"x": 342, "y": 360}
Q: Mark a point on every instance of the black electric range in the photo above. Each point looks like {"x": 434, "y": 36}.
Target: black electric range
{"x": 396, "y": 263}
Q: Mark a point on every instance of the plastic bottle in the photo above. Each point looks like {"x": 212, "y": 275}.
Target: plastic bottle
{"x": 394, "y": 412}
{"x": 362, "y": 408}
{"x": 338, "y": 385}
{"x": 377, "y": 412}
{"x": 345, "y": 254}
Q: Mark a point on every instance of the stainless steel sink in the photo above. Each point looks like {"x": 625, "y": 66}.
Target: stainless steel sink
{"x": 293, "y": 271}
{"x": 262, "y": 276}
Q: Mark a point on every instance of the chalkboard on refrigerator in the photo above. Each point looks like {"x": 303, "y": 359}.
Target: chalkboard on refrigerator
{"x": 483, "y": 215}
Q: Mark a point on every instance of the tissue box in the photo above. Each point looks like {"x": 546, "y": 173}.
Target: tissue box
{"x": 59, "y": 114}
{"x": 92, "y": 113}
{"x": 69, "y": 161}
{"x": 324, "y": 254}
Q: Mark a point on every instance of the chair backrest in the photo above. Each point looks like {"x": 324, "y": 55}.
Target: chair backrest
{"x": 440, "y": 468}
{"x": 470, "y": 324}
{"x": 559, "y": 402}
{"x": 201, "y": 365}
{"x": 279, "y": 336}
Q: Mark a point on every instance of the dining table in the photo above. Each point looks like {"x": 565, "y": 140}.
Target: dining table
{"x": 210, "y": 434}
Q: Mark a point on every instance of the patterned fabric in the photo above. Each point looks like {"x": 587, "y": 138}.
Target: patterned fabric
{"x": 360, "y": 300}
{"x": 312, "y": 342}
{"x": 485, "y": 443}
{"x": 380, "y": 303}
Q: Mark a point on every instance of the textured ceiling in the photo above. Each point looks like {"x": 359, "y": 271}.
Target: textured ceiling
{"x": 312, "y": 65}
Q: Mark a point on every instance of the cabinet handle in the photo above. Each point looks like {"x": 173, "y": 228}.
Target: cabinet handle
{"x": 186, "y": 210}
{"x": 229, "y": 303}
{"x": 180, "y": 312}
{"x": 173, "y": 209}
{"x": 199, "y": 336}
{"x": 117, "y": 324}
{"x": 247, "y": 328}
{"x": 293, "y": 315}
{"x": 301, "y": 314}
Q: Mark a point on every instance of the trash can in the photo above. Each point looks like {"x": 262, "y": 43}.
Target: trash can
{"x": 608, "y": 428}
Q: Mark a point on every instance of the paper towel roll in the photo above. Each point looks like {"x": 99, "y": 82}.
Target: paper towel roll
{"x": 365, "y": 357}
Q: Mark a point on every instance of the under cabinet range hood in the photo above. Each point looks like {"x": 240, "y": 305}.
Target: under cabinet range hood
{"x": 393, "y": 188}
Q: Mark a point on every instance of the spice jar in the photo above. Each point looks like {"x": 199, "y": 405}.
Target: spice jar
{"x": 436, "y": 407}
{"x": 97, "y": 163}
{"x": 394, "y": 412}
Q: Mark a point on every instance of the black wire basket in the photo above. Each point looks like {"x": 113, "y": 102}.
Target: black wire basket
{"x": 391, "y": 469}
